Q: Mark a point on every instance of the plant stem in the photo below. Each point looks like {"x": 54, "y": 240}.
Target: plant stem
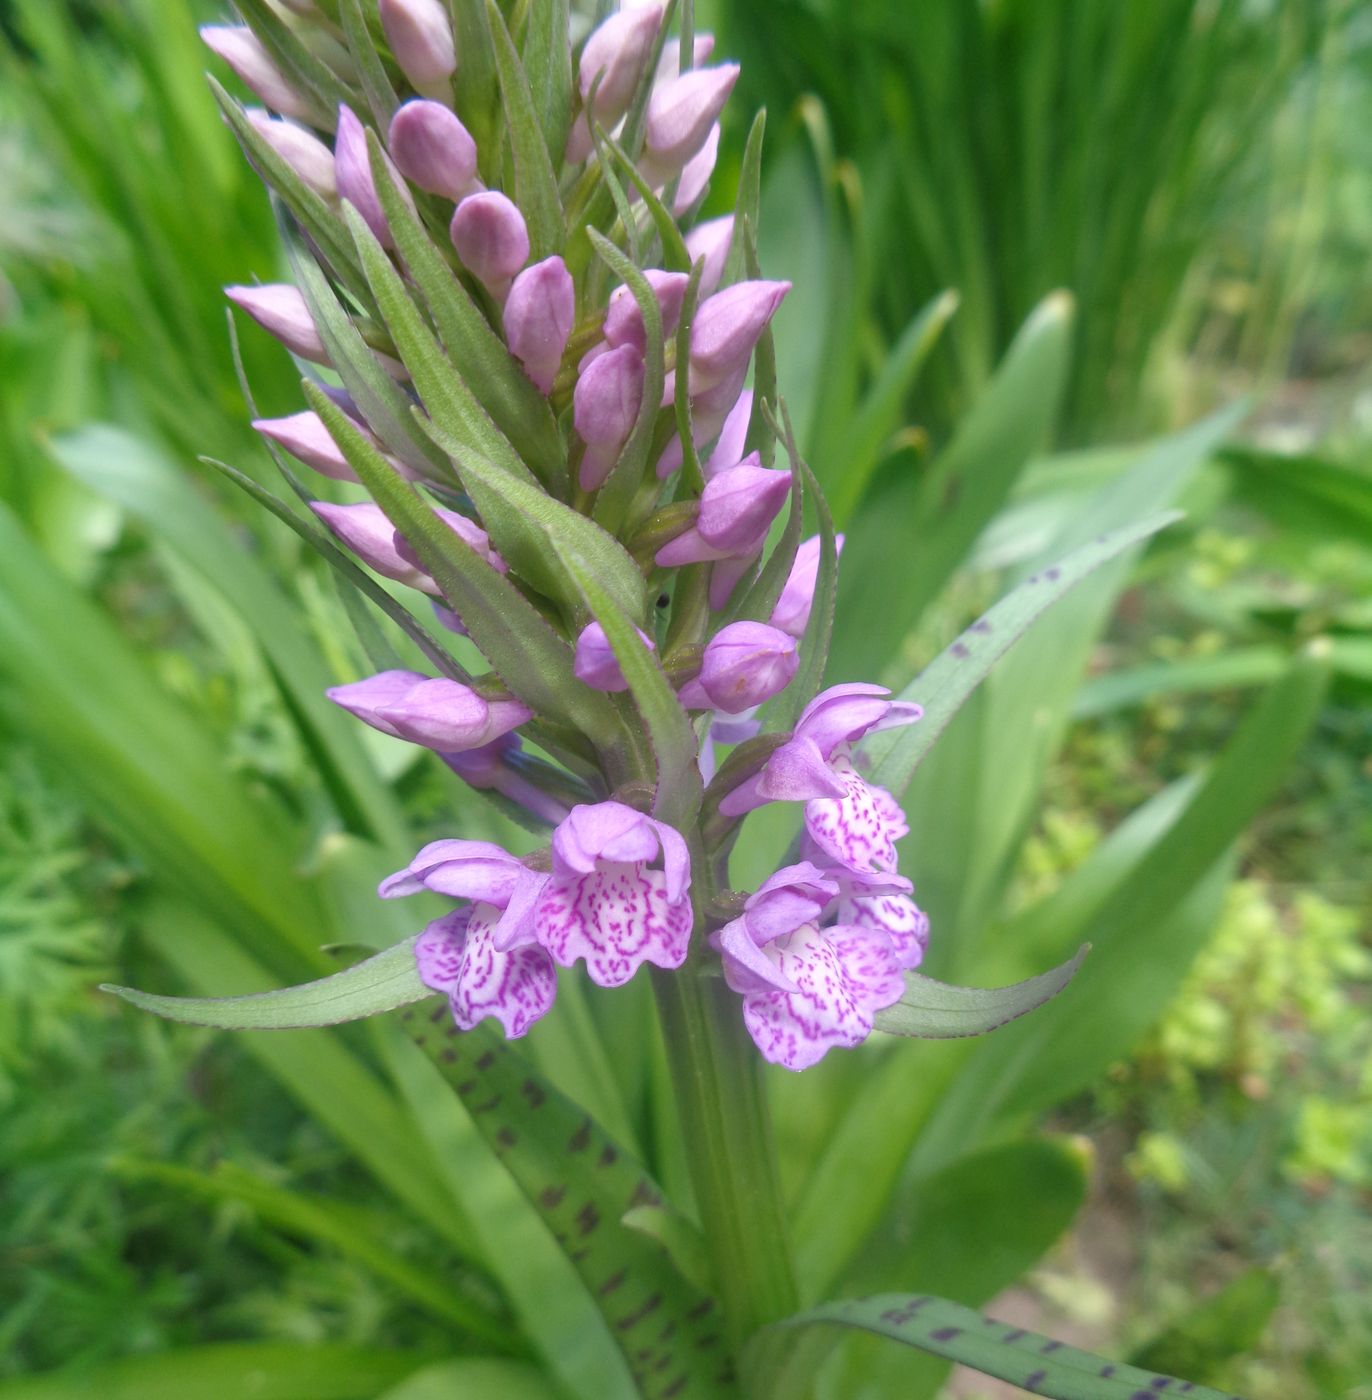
{"x": 727, "y": 1131}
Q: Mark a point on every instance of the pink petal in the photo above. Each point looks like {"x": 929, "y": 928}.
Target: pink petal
{"x": 896, "y": 915}
{"x": 457, "y": 955}
{"x": 860, "y": 828}
{"x": 617, "y": 918}
{"x": 843, "y": 977}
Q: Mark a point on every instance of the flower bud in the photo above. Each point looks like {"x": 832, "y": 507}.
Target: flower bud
{"x": 732, "y": 436}
{"x": 711, "y": 241}
{"x": 669, "y": 65}
{"x": 440, "y": 714}
{"x": 744, "y": 664}
{"x": 624, "y": 318}
{"x": 305, "y": 437}
{"x": 421, "y": 38}
{"x": 726, "y": 329}
{"x": 470, "y": 533}
{"x": 491, "y": 238}
{"x": 353, "y": 171}
{"x": 605, "y": 407}
{"x": 736, "y": 508}
{"x": 594, "y": 663}
{"x": 538, "y": 317}
{"x": 280, "y": 309}
{"x": 242, "y": 50}
{"x": 366, "y": 531}
{"x": 792, "y": 611}
{"x": 430, "y": 146}
{"x": 302, "y": 150}
{"x": 681, "y": 112}
{"x": 696, "y": 173}
{"x": 616, "y": 54}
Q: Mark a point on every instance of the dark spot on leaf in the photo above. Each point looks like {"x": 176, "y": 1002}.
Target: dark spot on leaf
{"x": 581, "y": 1139}
{"x": 1013, "y": 1335}
{"x": 486, "y": 1061}
{"x": 613, "y": 1282}
{"x": 675, "y": 1388}
{"x": 959, "y": 650}
{"x": 1033, "y": 578}
{"x": 438, "y": 1013}
{"x": 1107, "y": 1371}
{"x": 981, "y": 625}
{"x": 664, "y": 1362}
{"x": 644, "y": 1195}
{"x": 1032, "y": 1382}
{"x": 506, "y": 1138}
{"x": 448, "y": 1055}
{"x": 407, "y": 1015}
{"x": 1053, "y": 574}
{"x": 1161, "y": 1382}
{"x": 492, "y": 1102}
{"x": 707, "y": 1341}
{"x": 1049, "y": 1346}
{"x": 701, "y": 1309}
{"x": 588, "y": 1217}
{"x": 1142, "y": 1395}
{"x": 577, "y": 1255}
{"x": 453, "y": 1031}
{"x": 608, "y": 1156}
{"x": 663, "y": 599}
{"x": 551, "y": 1197}
{"x": 534, "y": 1093}
{"x": 650, "y": 1305}
{"x": 946, "y": 1334}
{"x": 668, "y": 1331}
{"x": 468, "y": 1086}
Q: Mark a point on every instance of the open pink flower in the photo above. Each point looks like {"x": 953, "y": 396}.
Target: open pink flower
{"x": 606, "y": 903}
{"x": 806, "y": 988}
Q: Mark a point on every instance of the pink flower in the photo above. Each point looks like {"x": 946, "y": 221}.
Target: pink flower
{"x": 606, "y": 903}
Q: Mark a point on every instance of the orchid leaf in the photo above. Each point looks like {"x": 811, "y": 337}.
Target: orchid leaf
{"x": 371, "y": 72}
{"x": 548, "y": 63}
{"x": 934, "y": 1010}
{"x": 381, "y": 983}
{"x": 309, "y": 209}
{"x": 943, "y": 685}
{"x": 583, "y": 1183}
{"x": 380, "y": 399}
{"x": 512, "y": 634}
{"x": 534, "y": 181}
{"x": 496, "y": 382}
{"x": 748, "y": 199}
{"x": 446, "y": 396}
{"x": 1036, "y": 1364}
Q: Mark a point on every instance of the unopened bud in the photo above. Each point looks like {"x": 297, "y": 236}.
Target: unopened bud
{"x": 736, "y": 508}
{"x": 439, "y": 713}
{"x": 467, "y": 530}
{"x": 792, "y": 611}
{"x": 669, "y": 65}
{"x": 681, "y": 112}
{"x": 302, "y": 150}
{"x": 696, "y": 174}
{"x": 353, "y": 171}
{"x": 366, "y": 531}
{"x": 616, "y": 54}
{"x": 732, "y": 436}
{"x": 624, "y": 318}
{"x": 280, "y": 309}
{"x": 594, "y": 661}
{"x": 430, "y": 146}
{"x": 744, "y": 664}
{"x": 727, "y": 327}
{"x": 421, "y": 38}
{"x": 242, "y": 50}
{"x": 605, "y": 406}
{"x": 491, "y": 238}
{"x": 538, "y": 319}
{"x": 711, "y": 241}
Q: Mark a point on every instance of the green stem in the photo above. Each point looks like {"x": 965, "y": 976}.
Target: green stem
{"x": 727, "y": 1129}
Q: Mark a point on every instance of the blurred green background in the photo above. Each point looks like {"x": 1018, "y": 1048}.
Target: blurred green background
{"x": 1057, "y": 263}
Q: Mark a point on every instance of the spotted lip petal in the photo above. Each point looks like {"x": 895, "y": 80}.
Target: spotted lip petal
{"x": 459, "y": 956}
{"x": 860, "y": 828}
{"x": 616, "y": 918}
{"x": 843, "y": 976}
{"x": 896, "y": 915}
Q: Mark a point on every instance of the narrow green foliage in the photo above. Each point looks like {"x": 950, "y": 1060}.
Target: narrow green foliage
{"x": 371, "y": 72}
{"x": 692, "y": 474}
{"x": 1039, "y": 1365}
{"x": 548, "y": 64}
{"x": 535, "y": 188}
{"x": 944, "y": 685}
{"x": 380, "y": 983}
{"x": 582, "y": 1184}
{"x": 308, "y": 74}
{"x": 934, "y": 1010}
{"x": 747, "y": 201}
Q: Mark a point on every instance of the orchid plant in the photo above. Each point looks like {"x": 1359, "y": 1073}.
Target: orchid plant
{"x": 555, "y": 385}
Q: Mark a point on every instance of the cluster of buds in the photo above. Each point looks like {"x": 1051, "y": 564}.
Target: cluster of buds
{"x": 524, "y": 347}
